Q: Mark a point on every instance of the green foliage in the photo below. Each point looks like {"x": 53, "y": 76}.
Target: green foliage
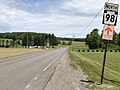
{"x": 53, "y": 40}
{"x": 119, "y": 39}
{"x": 3, "y": 43}
{"x": 92, "y": 39}
{"x": 28, "y": 39}
{"x": 7, "y": 43}
{"x": 63, "y": 43}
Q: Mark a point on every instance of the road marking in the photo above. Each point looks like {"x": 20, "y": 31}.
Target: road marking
{"x": 27, "y": 86}
{"x": 51, "y": 63}
{"x": 35, "y": 78}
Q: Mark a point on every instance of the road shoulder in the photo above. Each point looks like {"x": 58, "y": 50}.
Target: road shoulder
{"x": 67, "y": 78}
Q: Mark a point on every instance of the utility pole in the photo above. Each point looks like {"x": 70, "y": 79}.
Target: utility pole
{"x": 73, "y": 42}
{"x": 27, "y": 40}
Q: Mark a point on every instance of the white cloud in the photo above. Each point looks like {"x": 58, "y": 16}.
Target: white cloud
{"x": 79, "y": 14}
{"x": 20, "y": 20}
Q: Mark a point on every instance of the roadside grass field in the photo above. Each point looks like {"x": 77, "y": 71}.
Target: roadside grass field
{"x": 91, "y": 63}
{"x": 5, "y": 39}
{"x": 79, "y": 45}
{"x": 6, "y": 52}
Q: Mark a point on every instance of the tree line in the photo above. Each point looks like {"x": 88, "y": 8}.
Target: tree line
{"x": 94, "y": 40}
{"x": 28, "y": 39}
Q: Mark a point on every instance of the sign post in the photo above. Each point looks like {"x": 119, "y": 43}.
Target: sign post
{"x": 106, "y": 43}
{"x": 109, "y": 20}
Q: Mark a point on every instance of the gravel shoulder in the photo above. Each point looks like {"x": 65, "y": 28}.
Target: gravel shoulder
{"x": 67, "y": 78}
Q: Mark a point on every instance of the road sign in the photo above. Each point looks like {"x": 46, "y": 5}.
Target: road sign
{"x": 108, "y": 32}
{"x": 111, "y": 7}
{"x": 109, "y": 20}
{"x": 110, "y": 14}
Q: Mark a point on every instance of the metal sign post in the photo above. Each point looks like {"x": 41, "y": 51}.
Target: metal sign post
{"x": 106, "y": 43}
{"x": 109, "y": 20}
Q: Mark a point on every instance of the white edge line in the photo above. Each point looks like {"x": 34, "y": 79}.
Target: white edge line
{"x": 27, "y": 86}
{"x": 51, "y": 63}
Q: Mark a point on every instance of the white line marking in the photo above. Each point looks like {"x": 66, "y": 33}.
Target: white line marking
{"x": 27, "y": 86}
{"x": 51, "y": 63}
{"x": 35, "y": 78}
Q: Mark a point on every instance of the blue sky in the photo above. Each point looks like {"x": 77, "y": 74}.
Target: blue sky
{"x": 61, "y": 17}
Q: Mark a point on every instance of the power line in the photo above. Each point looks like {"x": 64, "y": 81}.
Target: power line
{"x": 93, "y": 19}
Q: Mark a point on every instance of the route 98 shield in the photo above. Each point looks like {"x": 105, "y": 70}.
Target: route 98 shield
{"x": 110, "y": 14}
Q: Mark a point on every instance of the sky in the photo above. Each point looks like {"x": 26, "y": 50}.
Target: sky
{"x": 64, "y": 18}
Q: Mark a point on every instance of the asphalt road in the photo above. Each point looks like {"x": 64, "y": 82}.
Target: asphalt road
{"x": 29, "y": 71}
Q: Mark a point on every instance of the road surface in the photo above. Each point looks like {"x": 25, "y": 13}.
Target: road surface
{"x": 29, "y": 71}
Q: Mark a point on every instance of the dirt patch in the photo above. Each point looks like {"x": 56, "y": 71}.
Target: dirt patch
{"x": 67, "y": 78}
{"x": 108, "y": 87}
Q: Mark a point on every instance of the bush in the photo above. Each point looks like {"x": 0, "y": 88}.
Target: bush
{"x": 110, "y": 50}
{"x": 97, "y": 50}
{"x": 7, "y": 46}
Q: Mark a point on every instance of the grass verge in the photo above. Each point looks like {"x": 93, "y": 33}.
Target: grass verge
{"x": 91, "y": 63}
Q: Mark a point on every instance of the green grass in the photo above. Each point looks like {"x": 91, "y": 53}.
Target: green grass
{"x": 91, "y": 63}
{"x": 79, "y": 46}
{"x": 5, "y": 39}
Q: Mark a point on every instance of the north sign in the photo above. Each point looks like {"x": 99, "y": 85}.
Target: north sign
{"x": 111, "y": 7}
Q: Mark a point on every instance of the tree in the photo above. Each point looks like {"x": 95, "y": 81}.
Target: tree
{"x": 119, "y": 39}
{"x": 24, "y": 41}
{"x": 37, "y": 40}
{"x": 43, "y": 39}
{"x": 53, "y": 40}
{"x": 30, "y": 38}
{"x": 7, "y": 43}
{"x": 14, "y": 37}
{"x": 10, "y": 42}
{"x": 18, "y": 42}
{"x": 63, "y": 43}
{"x": 115, "y": 38}
{"x": 0, "y": 42}
{"x": 3, "y": 43}
{"x": 93, "y": 39}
